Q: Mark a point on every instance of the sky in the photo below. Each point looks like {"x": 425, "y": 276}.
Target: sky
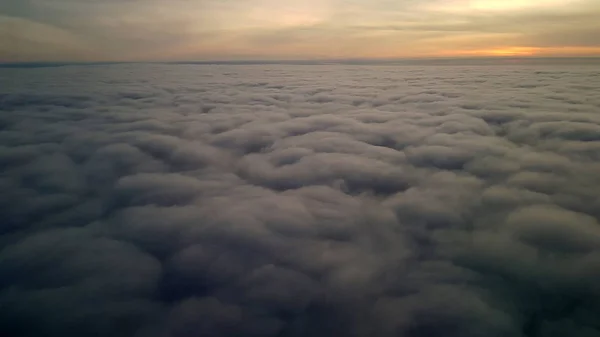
{"x": 158, "y": 30}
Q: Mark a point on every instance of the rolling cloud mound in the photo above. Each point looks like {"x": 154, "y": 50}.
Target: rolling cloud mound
{"x": 282, "y": 200}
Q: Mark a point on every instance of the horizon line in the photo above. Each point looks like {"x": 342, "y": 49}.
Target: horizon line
{"x": 315, "y": 61}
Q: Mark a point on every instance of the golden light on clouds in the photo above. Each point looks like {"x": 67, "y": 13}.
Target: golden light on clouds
{"x": 523, "y": 52}
{"x": 281, "y": 14}
{"x": 507, "y": 5}
{"x": 508, "y": 51}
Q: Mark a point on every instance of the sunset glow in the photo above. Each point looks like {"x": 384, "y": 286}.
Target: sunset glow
{"x": 505, "y": 51}
{"x": 150, "y": 30}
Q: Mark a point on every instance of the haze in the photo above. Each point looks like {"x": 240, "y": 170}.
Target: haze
{"x": 152, "y": 30}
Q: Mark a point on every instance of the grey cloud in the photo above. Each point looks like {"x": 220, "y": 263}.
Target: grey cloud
{"x": 581, "y": 36}
{"x": 283, "y": 200}
{"x": 543, "y": 28}
{"x": 555, "y": 229}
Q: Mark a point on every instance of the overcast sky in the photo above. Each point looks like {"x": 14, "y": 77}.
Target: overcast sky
{"x": 72, "y": 30}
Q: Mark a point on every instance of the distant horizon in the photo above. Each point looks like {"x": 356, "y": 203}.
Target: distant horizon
{"x": 316, "y": 61}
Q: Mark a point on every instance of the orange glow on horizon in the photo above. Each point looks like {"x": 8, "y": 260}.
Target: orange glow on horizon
{"x": 527, "y": 51}
{"x": 514, "y": 51}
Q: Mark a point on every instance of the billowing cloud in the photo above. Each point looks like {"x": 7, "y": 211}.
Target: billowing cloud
{"x": 282, "y": 200}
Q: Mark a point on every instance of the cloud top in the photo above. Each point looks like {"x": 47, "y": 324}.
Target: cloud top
{"x": 281, "y": 200}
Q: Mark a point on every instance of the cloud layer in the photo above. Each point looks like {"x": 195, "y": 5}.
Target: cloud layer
{"x": 281, "y": 200}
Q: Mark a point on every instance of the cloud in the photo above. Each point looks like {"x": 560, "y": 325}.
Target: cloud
{"x": 299, "y": 200}
{"x": 29, "y": 40}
